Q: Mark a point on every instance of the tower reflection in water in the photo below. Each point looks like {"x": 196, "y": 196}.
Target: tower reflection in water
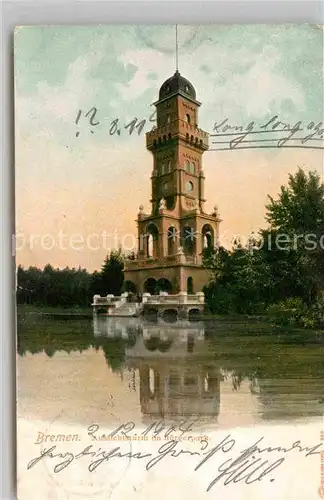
{"x": 183, "y": 368}
{"x": 177, "y": 376}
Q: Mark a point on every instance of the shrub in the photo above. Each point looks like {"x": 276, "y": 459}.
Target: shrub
{"x": 291, "y": 311}
{"x": 315, "y": 317}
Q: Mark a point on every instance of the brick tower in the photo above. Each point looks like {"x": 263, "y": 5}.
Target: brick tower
{"x": 172, "y": 237}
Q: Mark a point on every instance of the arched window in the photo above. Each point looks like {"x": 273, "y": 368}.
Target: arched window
{"x": 168, "y": 119}
{"x": 152, "y": 241}
{"x": 164, "y": 285}
{"x": 170, "y": 202}
{"x": 187, "y": 166}
{"x": 149, "y": 286}
{"x": 150, "y": 246}
{"x": 151, "y": 381}
{"x": 141, "y": 241}
{"x": 190, "y": 289}
{"x": 162, "y": 168}
{"x": 187, "y": 118}
{"x": 206, "y": 383}
{"x": 188, "y": 240}
{"x": 169, "y": 165}
{"x": 207, "y": 240}
{"x": 192, "y": 168}
{"x": 207, "y": 236}
{"x": 171, "y": 240}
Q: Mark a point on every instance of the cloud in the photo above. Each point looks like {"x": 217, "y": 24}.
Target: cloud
{"x": 247, "y": 85}
{"x": 236, "y": 80}
{"x": 51, "y": 107}
{"x": 261, "y": 87}
{"x": 146, "y": 62}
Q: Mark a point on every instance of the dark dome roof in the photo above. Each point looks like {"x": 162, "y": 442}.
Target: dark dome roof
{"x": 177, "y": 83}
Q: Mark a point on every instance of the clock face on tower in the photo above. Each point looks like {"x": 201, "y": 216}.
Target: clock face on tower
{"x": 189, "y": 186}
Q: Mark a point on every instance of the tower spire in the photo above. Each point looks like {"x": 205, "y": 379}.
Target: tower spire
{"x": 177, "y": 50}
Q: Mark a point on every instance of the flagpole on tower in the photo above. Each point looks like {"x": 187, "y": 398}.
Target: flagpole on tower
{"x": 177, "y": 50}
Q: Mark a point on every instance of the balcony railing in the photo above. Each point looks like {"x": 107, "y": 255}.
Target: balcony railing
{"x": 181, "y": 128}
{"x": 162, "y": 261}
{"x": 110, "y": 300}
{"x": 163, "y": 298}
{"x": 140, "y": 263}
{"x": 180, "y": 298}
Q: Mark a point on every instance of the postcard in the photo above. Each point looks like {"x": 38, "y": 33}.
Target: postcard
{"x": 169, "y": 254}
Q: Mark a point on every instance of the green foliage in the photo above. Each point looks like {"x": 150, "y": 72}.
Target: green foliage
{"x": 294, "y": 312}
{"x": 278, "y": 271}
{"x": 69, "y": 287}
{"x": 112, "y": 276}
{"x": 290, "y": 270}
{"x": 298, "y": 216}
{"x": 315, "y": 316}
{"x": 240, "y": 281}
{"x": 54, "y": 287}
{"x": 288, "y": 312}
{"x": 300, "y": 206}
{"x": 129, "y": 286}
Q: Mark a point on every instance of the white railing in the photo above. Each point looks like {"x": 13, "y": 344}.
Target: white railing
{"x": 180, "y": 298}
{"x": 110, "y": 300}
{"x": 147, "y": 298}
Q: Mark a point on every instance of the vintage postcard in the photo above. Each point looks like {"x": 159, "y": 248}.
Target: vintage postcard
{"x": 170, "y": 266}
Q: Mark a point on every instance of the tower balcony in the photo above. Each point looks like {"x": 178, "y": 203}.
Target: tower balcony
{"x": 179, "y": 129}
{"x": 150, "y": 262}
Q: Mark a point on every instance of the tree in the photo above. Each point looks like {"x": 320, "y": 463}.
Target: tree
{"x": 112, "y": 275}
{"x": 296, "y": 231}
{"x": 284, "y": 261}
{"x": 69, "y": 287}
{"x": 28, "y": 285}
{"x": 129, "y": 286}
{"x": 54, "y": 287}
{"x": 299, "y": 210}
{"x": 240, "y": 280}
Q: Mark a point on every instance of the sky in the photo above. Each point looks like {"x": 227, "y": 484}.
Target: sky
{"x": 78, "y": 188}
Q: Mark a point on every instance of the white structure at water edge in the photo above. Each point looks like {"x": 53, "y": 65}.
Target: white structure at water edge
{"x": 181, "y": 305}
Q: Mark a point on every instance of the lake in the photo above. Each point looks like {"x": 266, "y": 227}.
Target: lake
{"x": 229, "y": 373}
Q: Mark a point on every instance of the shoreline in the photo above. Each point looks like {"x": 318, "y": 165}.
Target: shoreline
{"x": 87, "y": 313}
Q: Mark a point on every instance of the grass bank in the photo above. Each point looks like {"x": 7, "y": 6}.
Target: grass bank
{"x": 78, "y": 312}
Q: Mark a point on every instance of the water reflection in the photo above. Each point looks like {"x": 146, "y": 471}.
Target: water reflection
{"x": 179, "y": 373}
{"x": 176, "y": 372}
{"x": 223, "y": 371}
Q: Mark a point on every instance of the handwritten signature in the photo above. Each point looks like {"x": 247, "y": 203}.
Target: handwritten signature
{"x": 248, "y": 465}
{"x": 274, "y": 133}
{"x": 156, "y": 429}
{"x": 297, "y": 135}
{"x": 115, "y": 127}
